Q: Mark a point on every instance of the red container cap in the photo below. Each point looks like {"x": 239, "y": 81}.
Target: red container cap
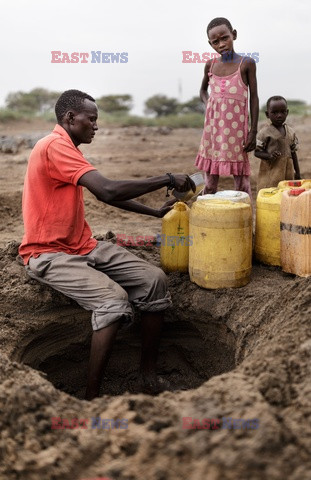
{"x": 294, "y": 183}
{"x": 296, "y": 191}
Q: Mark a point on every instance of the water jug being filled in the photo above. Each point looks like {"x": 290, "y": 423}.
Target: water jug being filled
{"x": 175, "y": 240}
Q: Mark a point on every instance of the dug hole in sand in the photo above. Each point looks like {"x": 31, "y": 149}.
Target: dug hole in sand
{"x": 240, "y": 353}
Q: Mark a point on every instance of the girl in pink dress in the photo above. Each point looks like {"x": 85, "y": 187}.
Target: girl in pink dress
{"x": 226, "y": 136}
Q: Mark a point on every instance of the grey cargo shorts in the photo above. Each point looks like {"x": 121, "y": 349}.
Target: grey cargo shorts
{"x": 106, "y": 281}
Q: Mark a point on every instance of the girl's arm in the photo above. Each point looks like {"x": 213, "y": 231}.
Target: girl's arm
{"x": 296, "y": 165}
{"x": 254, "y": 104}
{"x": 204, "y": 85}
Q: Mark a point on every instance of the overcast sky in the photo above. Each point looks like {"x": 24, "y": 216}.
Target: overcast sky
{"x": 154, "y": 34}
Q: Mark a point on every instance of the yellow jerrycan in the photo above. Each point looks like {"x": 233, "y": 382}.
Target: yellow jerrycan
{"x": 175, "y": 239}
{"x": 296, "y": 232}
{"x": 267, "y": 235}
{"x": 304, "y": 183}
{"x": 221, "y": 251}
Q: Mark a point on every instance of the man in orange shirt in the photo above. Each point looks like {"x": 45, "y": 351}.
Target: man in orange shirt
{"x": 58, "y": 249}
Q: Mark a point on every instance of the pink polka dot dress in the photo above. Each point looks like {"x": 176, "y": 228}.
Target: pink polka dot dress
{"x": 225, "y": 127}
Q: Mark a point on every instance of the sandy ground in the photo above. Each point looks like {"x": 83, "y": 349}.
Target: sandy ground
{"x": 238, "y": 353}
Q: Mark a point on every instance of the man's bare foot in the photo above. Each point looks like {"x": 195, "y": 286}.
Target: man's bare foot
{"x": 153, "y": 384}
{"x": 90, "y": 395}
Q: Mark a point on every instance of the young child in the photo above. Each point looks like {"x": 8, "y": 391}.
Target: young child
{"x": 276, "y": 147}
{"x": 226, "y": 137}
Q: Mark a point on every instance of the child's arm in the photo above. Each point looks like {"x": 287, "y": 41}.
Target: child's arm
{"x": 261, "y": 149}
{"x": 263, "y": 155}
{"x": 250, "y": 66}
{"x": 296, "y": 165}
{"x": 204, "y": 85}
{"x": 293, "y": 148}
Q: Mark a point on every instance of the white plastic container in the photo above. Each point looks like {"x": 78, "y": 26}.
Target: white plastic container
{"x": 232, "y": 195}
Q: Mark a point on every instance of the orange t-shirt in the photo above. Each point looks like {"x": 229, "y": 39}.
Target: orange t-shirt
{"x": 53, "y": 207}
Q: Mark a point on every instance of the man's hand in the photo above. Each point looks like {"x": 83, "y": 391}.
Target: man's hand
{"x": 183, "y": 183}
{"x": 166, "y": 207}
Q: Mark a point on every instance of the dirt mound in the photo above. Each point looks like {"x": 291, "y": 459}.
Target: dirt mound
{"x": 228, "y": 354}
{"x": 243, "y": 353}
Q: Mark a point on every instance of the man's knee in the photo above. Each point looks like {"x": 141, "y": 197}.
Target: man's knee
{"x": 112, "y": 308}
{"x": 110, "y": 293}
{"x": 160, "y": 278}
{"x": 156, "y": 283}
{"x": 120, "y": 293}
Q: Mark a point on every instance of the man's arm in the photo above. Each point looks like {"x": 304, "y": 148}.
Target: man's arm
{"x": 132, "y": 206}
{"x": 109, "y": 191}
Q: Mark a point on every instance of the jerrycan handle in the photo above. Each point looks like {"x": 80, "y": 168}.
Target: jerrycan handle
{"x": 269, "y": 194}
{"x": 180, "y": 206}
{"x": 296, "y": 191}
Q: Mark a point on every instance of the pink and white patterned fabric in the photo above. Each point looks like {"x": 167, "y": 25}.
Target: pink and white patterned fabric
{"x": 225, "y": 127}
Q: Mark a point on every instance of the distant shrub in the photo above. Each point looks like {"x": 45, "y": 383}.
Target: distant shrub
{"x": 295, "y": 103}
{"x": 7, "y": 115}
{"x": 48, "y": 116}
{"x": 195, "y": 105}
{"x": 115, "y": 103}
{"x": 38, "y": 100}
{"x": 187, "y": 120}
{"x": 161, "y": 105}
